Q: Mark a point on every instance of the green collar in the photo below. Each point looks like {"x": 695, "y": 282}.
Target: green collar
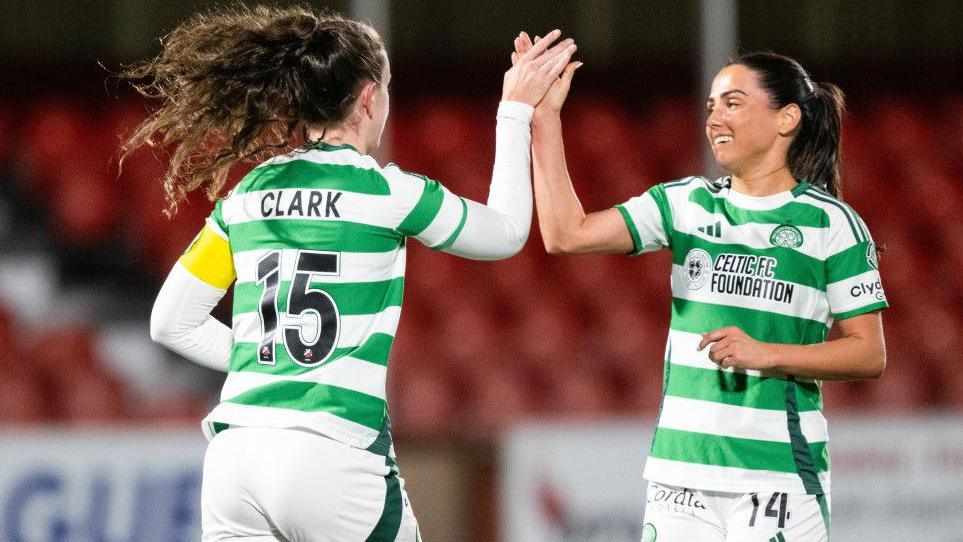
{"x": 322, "y": 146}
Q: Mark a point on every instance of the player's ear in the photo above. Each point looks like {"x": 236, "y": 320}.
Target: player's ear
{"x": 366, "y": 99}
{"x": 789, "y": 117}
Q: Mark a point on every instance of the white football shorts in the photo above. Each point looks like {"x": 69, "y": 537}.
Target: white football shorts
{"x": 676, "y": 514}
{"x": 267, "y": 485}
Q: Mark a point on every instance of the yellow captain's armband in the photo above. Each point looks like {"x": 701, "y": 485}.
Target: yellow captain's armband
{"x": 209, "y": 259}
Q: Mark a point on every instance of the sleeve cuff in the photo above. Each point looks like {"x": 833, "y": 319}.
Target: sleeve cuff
{"x": 461, "y": 224}
{"x": 879, "y": 305}
{"x": 636, "y": 239}
{"x": 516, "y": 110}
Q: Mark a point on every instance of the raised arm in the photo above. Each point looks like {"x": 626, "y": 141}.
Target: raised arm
{"x": 566, "y": 229}
{"x": 500, "y": 228}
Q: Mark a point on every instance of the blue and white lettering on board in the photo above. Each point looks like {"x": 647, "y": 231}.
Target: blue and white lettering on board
{"x": 100, "y": 487}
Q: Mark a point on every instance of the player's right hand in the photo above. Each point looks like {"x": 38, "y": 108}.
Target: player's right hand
{"x": 535, "y": 70}
{"x": 554, "y": 99}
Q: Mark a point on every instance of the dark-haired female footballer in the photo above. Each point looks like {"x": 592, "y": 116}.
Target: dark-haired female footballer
{"x": 765, "y": 261}
{"x": 315, "y": 237}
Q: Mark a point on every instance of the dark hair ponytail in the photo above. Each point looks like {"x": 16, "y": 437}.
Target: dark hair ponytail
{"x": 814, "y": 152}
{"x": 239, "y": 83}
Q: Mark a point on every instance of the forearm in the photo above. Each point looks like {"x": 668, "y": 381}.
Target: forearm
{"x": 846, "y": 358}
{"x": 181, "y": 320}
{"x": 560, "y": 212}
{"x": 501, "y": 228}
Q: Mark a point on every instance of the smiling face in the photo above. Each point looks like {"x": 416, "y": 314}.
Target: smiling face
{"x": 743, "y": 129}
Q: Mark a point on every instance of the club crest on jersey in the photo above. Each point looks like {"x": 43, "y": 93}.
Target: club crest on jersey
{"x": 786, "y": 236}
{"x": 697, "y": 268}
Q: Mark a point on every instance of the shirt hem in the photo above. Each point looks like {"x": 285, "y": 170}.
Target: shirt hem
{"x": 331, "y": 432}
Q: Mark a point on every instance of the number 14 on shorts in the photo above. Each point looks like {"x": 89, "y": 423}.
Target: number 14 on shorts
{"x": 779, "y": 517}
{"x": 773, "y": 510}
{"x": 678, "y": 514}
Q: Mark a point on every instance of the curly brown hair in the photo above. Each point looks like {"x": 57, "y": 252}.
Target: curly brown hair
{"x": 240, "y": 84}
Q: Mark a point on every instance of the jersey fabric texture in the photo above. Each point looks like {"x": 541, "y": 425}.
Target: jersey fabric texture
{"x": 782, "y": 268}
{"x": 317, "y": 239}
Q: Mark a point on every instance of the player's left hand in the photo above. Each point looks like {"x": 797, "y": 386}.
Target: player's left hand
{"x": 555, "y": 97}
{"x": 732, "y": 347}
{"x": 533, "y": 72}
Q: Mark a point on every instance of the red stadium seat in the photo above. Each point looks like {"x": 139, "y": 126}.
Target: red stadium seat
{"x": 546, "y": 331}
{"x": 517, "y": 275}
{"x": 952, "y": 379}
{"x": 951, "y": 140}
{"x": 638, "y": 383}
{"x": 578, "y": 391}
{"x": 423, "y": 403}
{"x": 596, "y": 126}
{"x": 6, "y": 332}
{"x": 81, "y": 392}
{"x": 23, "y": 399}
{"x": 466, "y": 329}
{"x": 62, "y": 353}
{"x": 904, "y": 389}
{"x": 85, "y": 206}
{"x": 623, "y": 331}
{"x": 845, "y": 398}
{"x": 92, "y": 399}
{"x": 673, "y": 136}
{"x": 59, "y": 136}
{"x": 502, "y": 396}
{"x": 176, "y": 408}
{"x": 916, "y": 141}
{"x": 447, "y": 139}
{"x": 485, "y": 345}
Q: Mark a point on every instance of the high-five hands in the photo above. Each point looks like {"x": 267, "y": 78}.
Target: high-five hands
{"x": 535, "y": 69}
{"x": 732, "y": 347}
{"x": 554, "y": 98}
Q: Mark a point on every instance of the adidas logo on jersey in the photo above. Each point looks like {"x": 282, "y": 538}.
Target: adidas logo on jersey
{"x": 712, "y": 230}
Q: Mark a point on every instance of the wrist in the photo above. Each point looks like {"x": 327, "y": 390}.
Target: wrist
{"x": 545, "y": 116}
{"x": 772, "y": 358}
{"x": 515, "y": 97}
{"x": 515, "y": 110}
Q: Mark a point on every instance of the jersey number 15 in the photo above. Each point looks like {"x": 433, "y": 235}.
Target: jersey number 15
{"x": 304, "y": 304}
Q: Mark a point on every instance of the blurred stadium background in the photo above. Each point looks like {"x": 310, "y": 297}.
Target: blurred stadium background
{"x": 523, "y": 391}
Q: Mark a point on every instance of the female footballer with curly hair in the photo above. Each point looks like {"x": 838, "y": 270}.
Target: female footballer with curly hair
{"x": 315, "y": 238}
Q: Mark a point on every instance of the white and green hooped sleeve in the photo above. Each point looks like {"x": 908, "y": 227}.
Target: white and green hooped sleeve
{"x": 853, "y": 283}
{"x": 649, "y": 219}
{"x": 444, "y": 221}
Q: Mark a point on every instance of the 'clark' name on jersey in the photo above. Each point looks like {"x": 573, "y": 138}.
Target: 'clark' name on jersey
{"x": 301, "y": 203}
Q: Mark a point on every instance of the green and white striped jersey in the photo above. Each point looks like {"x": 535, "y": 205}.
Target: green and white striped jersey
{"x": 782, "y": 268}
{"x": 318, "y": 244}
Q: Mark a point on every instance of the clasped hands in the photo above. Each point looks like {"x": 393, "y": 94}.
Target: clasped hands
{"x": 541, "y": 72}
